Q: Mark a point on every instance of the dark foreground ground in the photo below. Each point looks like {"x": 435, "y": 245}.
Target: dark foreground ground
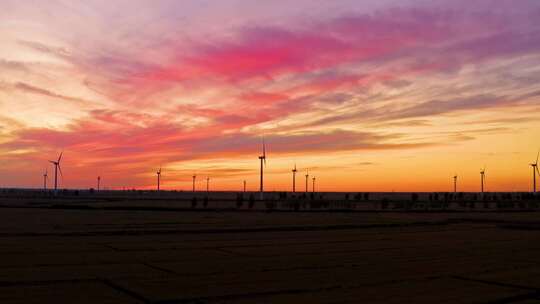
{"x": 171, "y": 256}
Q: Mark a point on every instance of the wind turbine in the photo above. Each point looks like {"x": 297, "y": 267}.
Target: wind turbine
{"x": 263, "y": 160}
{"x": 207, "y": 184}
{"x": 45, "y": 176}
{"x": 244, "y": 185}
{"x": 294, "y": 178}
{"x": 158, "y": 178}
{"x": 455, "y": 183}
{"x": 194, "y": 177}
{"x": 307, "y": 177}
{"x": 482, "y": 178}
{"x": 98, "y": 182}
{"x": 313, "y": 185}
{"x": 56, "y": 169}
{"x": 535, "y": 171}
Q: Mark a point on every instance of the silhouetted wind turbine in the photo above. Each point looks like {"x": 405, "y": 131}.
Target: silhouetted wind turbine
{"x": 535, "y": 171}
{"x": 45, "y": 176}
{"x": 294, "y": 179}
{"x": 194, "y": 177}
{"x": 263, "y": 160}
{"x": 482, "y": 178}
{"x": 207, "y": 184}
{"x": 98, "y": 182}
{"x": 56, "y": 169}
{"x": 307, "y": 177}
{"x": 244, "y": 185}
{"x": 313, "y": 185}
{"x": 158, "y": 178}
{"x": 455, "y": 183}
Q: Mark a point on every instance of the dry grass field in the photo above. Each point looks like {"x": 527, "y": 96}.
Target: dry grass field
{"x": 56, "y": 254}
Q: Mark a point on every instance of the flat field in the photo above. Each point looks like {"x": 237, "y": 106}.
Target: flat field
{"x": 51, "y": 254}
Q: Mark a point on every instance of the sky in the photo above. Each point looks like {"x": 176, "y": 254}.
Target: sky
{"x": 371, "y": 95}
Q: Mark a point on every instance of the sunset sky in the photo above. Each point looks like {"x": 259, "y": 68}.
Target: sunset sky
{"x": 370, "y": 95}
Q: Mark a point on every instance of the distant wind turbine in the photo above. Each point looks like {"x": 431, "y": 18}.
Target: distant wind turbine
{"x": 455, "y": 183}
{"x": 482, "y": 179}
{"x": 207, "y": 184}
{"x": 535, "y": 171}
{"x": 45, "y": 176}
{"x": 244, "y": 185}
{"x": 263, "y": 160}
{"x": 307, "y": 177}
{"x": 56, "y": 169}
{"x": 98, "y": 182}
{"x": 294, "y": 179}
{"x": 158, "y": 178}
{"x": 194, "y": 177}
{"x": 313, "y": 188}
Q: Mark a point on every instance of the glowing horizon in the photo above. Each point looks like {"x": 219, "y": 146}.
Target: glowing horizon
{"x": 374, "y": 95}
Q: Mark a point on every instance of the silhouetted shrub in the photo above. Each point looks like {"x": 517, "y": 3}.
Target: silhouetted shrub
{"x": 239, "y": 200}
{"x": 251, "y": 201}
{"x": 384, "y": 203}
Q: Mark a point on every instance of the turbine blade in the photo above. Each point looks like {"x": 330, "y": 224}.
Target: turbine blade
{"x": 537, "y": 171}
{"x": 60, "y": 170}
{"x": 60, "y": 157}
{"x": 537, "y": 157}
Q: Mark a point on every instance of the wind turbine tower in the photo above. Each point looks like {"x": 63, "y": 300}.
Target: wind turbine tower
{"x": 455, "y": 183}
{"x": 194, "y": 177}
{"x": 294, "y": 179}
{"x": 262, "y": 158}
{"x": 482, "y": 179}
{"x": 244, "y": 185}
{"x": 56, "y": 169}
{"x": 207, "y": 184}
{"x": 45, "y": 176}
{"x": 535, "y": 171}
{"x": 99, "y": 182}
{"x": 307, "y": 178}
{"x": 313, "y": 188}
{"x": 158, "y": 178}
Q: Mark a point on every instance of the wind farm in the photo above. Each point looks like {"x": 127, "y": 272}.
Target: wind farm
{"x": 284, "y": 200}
{"x": 272, "y": 239}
